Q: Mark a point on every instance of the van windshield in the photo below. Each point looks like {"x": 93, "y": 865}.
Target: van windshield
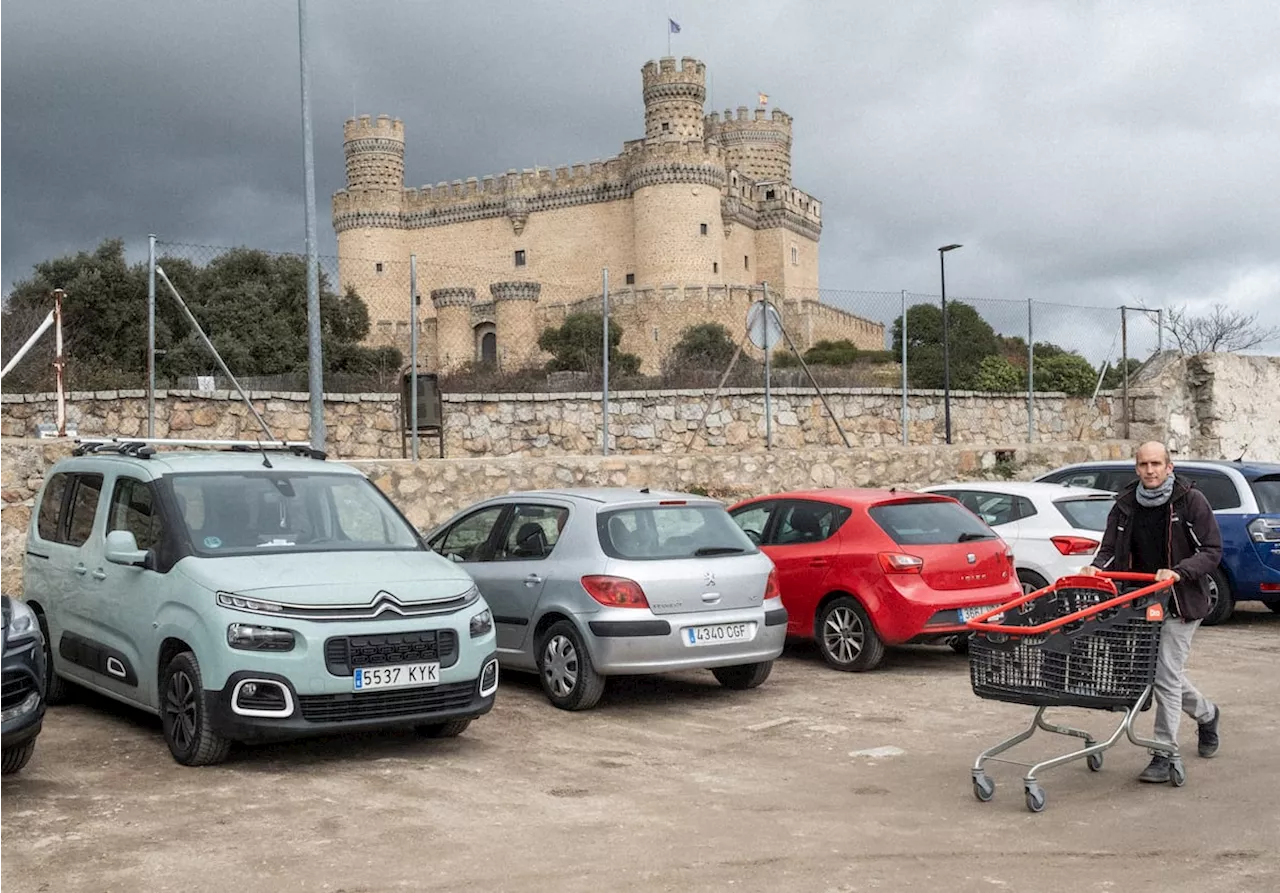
{"x": 269, "y": 512}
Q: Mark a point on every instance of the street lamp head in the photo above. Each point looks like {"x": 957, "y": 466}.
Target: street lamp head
{"x": 950, "y": 247}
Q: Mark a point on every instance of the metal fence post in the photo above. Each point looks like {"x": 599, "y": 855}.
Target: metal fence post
{"x": 1031, "y": 377}
{"x": 768, "y": 350}
{"x": 59, "y": 361}
{"x": 1124, "y": 365}
{"x": 1159, "y": 330}
{"x": 315, "y": 352}
{"x": 413, "y": 356}
{"x": 604, "y": 384}
{"x": 905, "y": 411}
{"x": 151, "y": 335}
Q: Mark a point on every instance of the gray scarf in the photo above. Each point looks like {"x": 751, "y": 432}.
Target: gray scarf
{"x": 1150, "y": 499}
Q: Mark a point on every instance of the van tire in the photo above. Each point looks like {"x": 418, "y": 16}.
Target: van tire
{"x": 56, "y": 689}
{"x": 1221, "y": 609}
{"x": 743, "y": 676}
{"x": 184, "y": 715}
{"x": 449, "y": 729}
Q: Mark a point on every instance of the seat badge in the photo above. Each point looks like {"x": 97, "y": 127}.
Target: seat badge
{"x": 971, "y": 558}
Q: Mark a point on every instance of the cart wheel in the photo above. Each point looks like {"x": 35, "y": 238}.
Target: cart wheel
{"x": 1035, "y": 798}
{"x": 1177, "y": 775}
{"x": 983, "y": 787}
{"x": 1094, "y": 761}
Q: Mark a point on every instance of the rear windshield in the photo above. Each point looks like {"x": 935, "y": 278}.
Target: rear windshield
{"x": 1267, "y": 491}
{"x": 1086, "y": 514}
{"x": 670, "y": 531}
{"x": 929, "y": 523}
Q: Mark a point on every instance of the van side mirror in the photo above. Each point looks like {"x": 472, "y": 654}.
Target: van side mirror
{"x": 122, "y": 548}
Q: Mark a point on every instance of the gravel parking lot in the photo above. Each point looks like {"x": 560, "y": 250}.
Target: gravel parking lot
{"x": 671, "y": 784}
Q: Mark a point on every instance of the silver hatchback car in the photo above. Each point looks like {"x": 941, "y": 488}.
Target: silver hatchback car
{"x": 589, "y": 583}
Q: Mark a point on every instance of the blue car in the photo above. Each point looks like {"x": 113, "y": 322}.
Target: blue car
{"x": 1245, "y": 497}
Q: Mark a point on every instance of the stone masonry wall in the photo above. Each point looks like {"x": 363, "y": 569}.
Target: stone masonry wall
{"x": 429, "y": 492}
{"x": 492, "y": 425}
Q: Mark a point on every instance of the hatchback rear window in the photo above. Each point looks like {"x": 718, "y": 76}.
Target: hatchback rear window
{"x": 1086, "y": 514}
{"x": 663, "y": 532}
{"x": 929, "y": 523}
{"x": 1267, "y": 491}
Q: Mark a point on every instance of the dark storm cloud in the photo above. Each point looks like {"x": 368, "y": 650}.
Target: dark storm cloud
{"x": 1084, "y": 153}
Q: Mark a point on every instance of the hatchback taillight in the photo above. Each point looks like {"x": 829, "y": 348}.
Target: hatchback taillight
{"x": 615, "y": 592}
{"x": 900, "y": 563}
{"x": 1074, "y": 545}
{"x": 1264, "y": 530}
{"x": 771, "y": 588}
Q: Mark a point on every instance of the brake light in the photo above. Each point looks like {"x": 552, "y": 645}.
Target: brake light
{"x": 673, "y": 502}
{"x": 898, "y": 563}
{"x": 1074, "y": 545}
{"x": 771, "y": 588}
{"x": 1269, "y": 587}
{"x": 615, "y": 592}
{"x": 1264, "y": 530}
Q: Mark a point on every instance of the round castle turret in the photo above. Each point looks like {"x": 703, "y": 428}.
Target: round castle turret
{"x": 453, "y": 326}
{"x": 514, "y": 317}
{"x": 375, "y": 152}
{"x": 754, "y": 144}
{"x": 673, "y": 98}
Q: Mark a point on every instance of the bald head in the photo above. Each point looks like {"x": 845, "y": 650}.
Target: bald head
{"x": 1153, "y": 464}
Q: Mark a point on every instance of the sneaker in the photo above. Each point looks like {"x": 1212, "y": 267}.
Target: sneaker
{"x": 1207, "y": 732}
{"x": 1157, "y": 771}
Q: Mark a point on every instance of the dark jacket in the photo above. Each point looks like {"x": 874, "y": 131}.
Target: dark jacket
{"x": 1194, "y": 544}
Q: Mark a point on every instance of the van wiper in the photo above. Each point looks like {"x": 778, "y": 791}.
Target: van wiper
{"x": 719, "y": 550}
{"x": 970, "y": 537}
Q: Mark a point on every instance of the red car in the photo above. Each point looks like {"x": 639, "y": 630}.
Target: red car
{"x": 862, "y": 569}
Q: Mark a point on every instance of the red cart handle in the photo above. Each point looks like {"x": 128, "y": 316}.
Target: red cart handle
{"x": 1100, "y": 582}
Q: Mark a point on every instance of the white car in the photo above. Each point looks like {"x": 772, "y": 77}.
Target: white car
{"x": 1053, "y": 529}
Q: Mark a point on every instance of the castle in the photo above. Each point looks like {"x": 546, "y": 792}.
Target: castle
{"x": 690, "y": 221}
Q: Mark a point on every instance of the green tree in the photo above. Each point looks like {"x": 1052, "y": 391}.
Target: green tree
{"x": 996, "y": 373}
{"x": 832, "y": 353}
{"x": 1066, "y": 372}
{"x": 707, "y": 345}
{"x": 971, "y": 337}
{"x": 1114, "y": 377}
{"x": 576, "y": 346}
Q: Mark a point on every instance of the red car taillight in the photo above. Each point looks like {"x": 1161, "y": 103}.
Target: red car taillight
{"x": 615, "y": 592}
{"x": 1074, "y": 545}
{"x": 771, "y": 588}
{"x": 899, "y": 563}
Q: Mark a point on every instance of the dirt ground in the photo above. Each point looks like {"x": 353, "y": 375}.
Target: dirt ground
{"x": 671, "y": 784}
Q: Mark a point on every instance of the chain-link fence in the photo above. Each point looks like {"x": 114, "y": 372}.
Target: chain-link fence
{"x": 994, "y": 372}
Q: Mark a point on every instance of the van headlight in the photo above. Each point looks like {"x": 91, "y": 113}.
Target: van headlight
{"x": 481, "y": 624}
{"x": 251, "y": 637}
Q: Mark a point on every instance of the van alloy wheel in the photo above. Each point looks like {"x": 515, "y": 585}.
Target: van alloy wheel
{"x": 180, "y": 709}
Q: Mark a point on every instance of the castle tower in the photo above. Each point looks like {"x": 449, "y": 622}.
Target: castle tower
{"x": 675, "y": 179}
{"x": 454, "y": 342}
{"x": 754, "y": 144}
{"x": 515, "y": 318}
{"x": 375, "y": 153}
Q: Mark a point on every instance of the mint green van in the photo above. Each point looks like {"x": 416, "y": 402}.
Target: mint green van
{"x": 248, "y": 596}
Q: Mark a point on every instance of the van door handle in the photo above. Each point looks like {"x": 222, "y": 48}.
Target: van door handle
{"x": 532, "y": 580}
{"x": 80, "y": 569}
{"x": 99, "y": 574}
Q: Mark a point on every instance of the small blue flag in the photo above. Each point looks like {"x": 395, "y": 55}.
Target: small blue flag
{"x": 675, "y": 26}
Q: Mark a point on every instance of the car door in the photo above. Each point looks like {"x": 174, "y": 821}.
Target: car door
{"x": 804, "y": 547}
{"x": 472, "y": 541}
{"x": 45, "y": 565}
{"x": 74, "y": 609}
{"x": 513, "y": 579}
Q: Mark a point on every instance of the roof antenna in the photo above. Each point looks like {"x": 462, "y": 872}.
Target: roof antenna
{"x": 266, "y": 463}
{"x": 1240, "y": 458}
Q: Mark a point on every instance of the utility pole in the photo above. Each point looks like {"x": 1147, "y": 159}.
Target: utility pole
{"x": 315, "y": 358}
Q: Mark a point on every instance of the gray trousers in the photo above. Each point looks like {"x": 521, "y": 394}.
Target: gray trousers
{"x": 1174, "y": 693}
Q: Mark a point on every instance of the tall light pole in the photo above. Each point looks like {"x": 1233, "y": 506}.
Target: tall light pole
{"x": 315, "y": 361}
{"x": 946, "y": 341}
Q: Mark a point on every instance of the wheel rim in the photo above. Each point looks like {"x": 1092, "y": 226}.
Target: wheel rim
{"x": 1213, "y": 594}
{"x": 1027, "y": 588}
{"x": 560, "y": 666}
{"x": 843, "y": 635}
{"x": 180, "y": 709}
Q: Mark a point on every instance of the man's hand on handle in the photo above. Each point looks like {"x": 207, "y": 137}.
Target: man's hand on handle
{"x": 1161, "y": 575}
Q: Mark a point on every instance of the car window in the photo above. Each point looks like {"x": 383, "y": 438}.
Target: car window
{"x": 532, "y": 532}
{"x": 1216, "y": 487}
{"x": 1267, "y": 491}
{"x": 51, "y": 507}
{"x": 1024, "y": 507}
{"x": 928, "y": 523}
{"x": 753, "y": 519}
{"x": 1117, "y": 479}
{"x": 468, "y": 540}
{"x": 808, "y": 522}
{"x": 84, "y": 507}
{"x": 1087, "y": 513}
{"x": 133, "y": 509}
{"x": 993, "y": 508}
{"x": 670, "y": 531}
{"x": 1090, "y": 477}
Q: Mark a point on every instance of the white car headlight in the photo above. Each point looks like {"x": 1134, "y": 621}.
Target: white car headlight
{"x": 23, "y": 623}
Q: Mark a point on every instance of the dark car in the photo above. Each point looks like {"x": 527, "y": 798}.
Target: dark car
{"x": 22, "y": 698}
{"x": 1245, "y": 498}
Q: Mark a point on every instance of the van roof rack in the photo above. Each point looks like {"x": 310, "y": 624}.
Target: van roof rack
{"x": 145, "y": 447}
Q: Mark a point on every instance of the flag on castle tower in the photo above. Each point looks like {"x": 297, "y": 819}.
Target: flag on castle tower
{"x": 764, "y": 98}
{"x": 674, "y": 26}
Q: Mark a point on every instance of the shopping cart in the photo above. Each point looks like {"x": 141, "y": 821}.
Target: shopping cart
{"x": 1076, "y": 643}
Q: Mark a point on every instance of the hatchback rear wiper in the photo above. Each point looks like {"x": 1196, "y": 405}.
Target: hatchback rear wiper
{"x": 970, "y": 537}
{"x": 719, "y": 550}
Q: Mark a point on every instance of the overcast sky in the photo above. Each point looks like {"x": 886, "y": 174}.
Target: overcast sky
{"x": 1084, "y": 153}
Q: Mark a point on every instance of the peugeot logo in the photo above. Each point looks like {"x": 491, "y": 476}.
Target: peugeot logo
{"x": 971, "y": 558}
{"x": 708, "y": 579}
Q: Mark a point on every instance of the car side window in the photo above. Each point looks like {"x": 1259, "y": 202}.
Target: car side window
{"x": 1217, "y": 488}
{"x": 1024, "y": 508}
{"x": 133, "y": 508}
{"x": 84, "y": 508}
{"x": 532, "y": 532}
{"x": 1089, "y": 478}
{"x": 50, "y": 516}
{"x": 468, "y": 540}
{"x": 753, "y": 520}
{"x": 809, "y": 522}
